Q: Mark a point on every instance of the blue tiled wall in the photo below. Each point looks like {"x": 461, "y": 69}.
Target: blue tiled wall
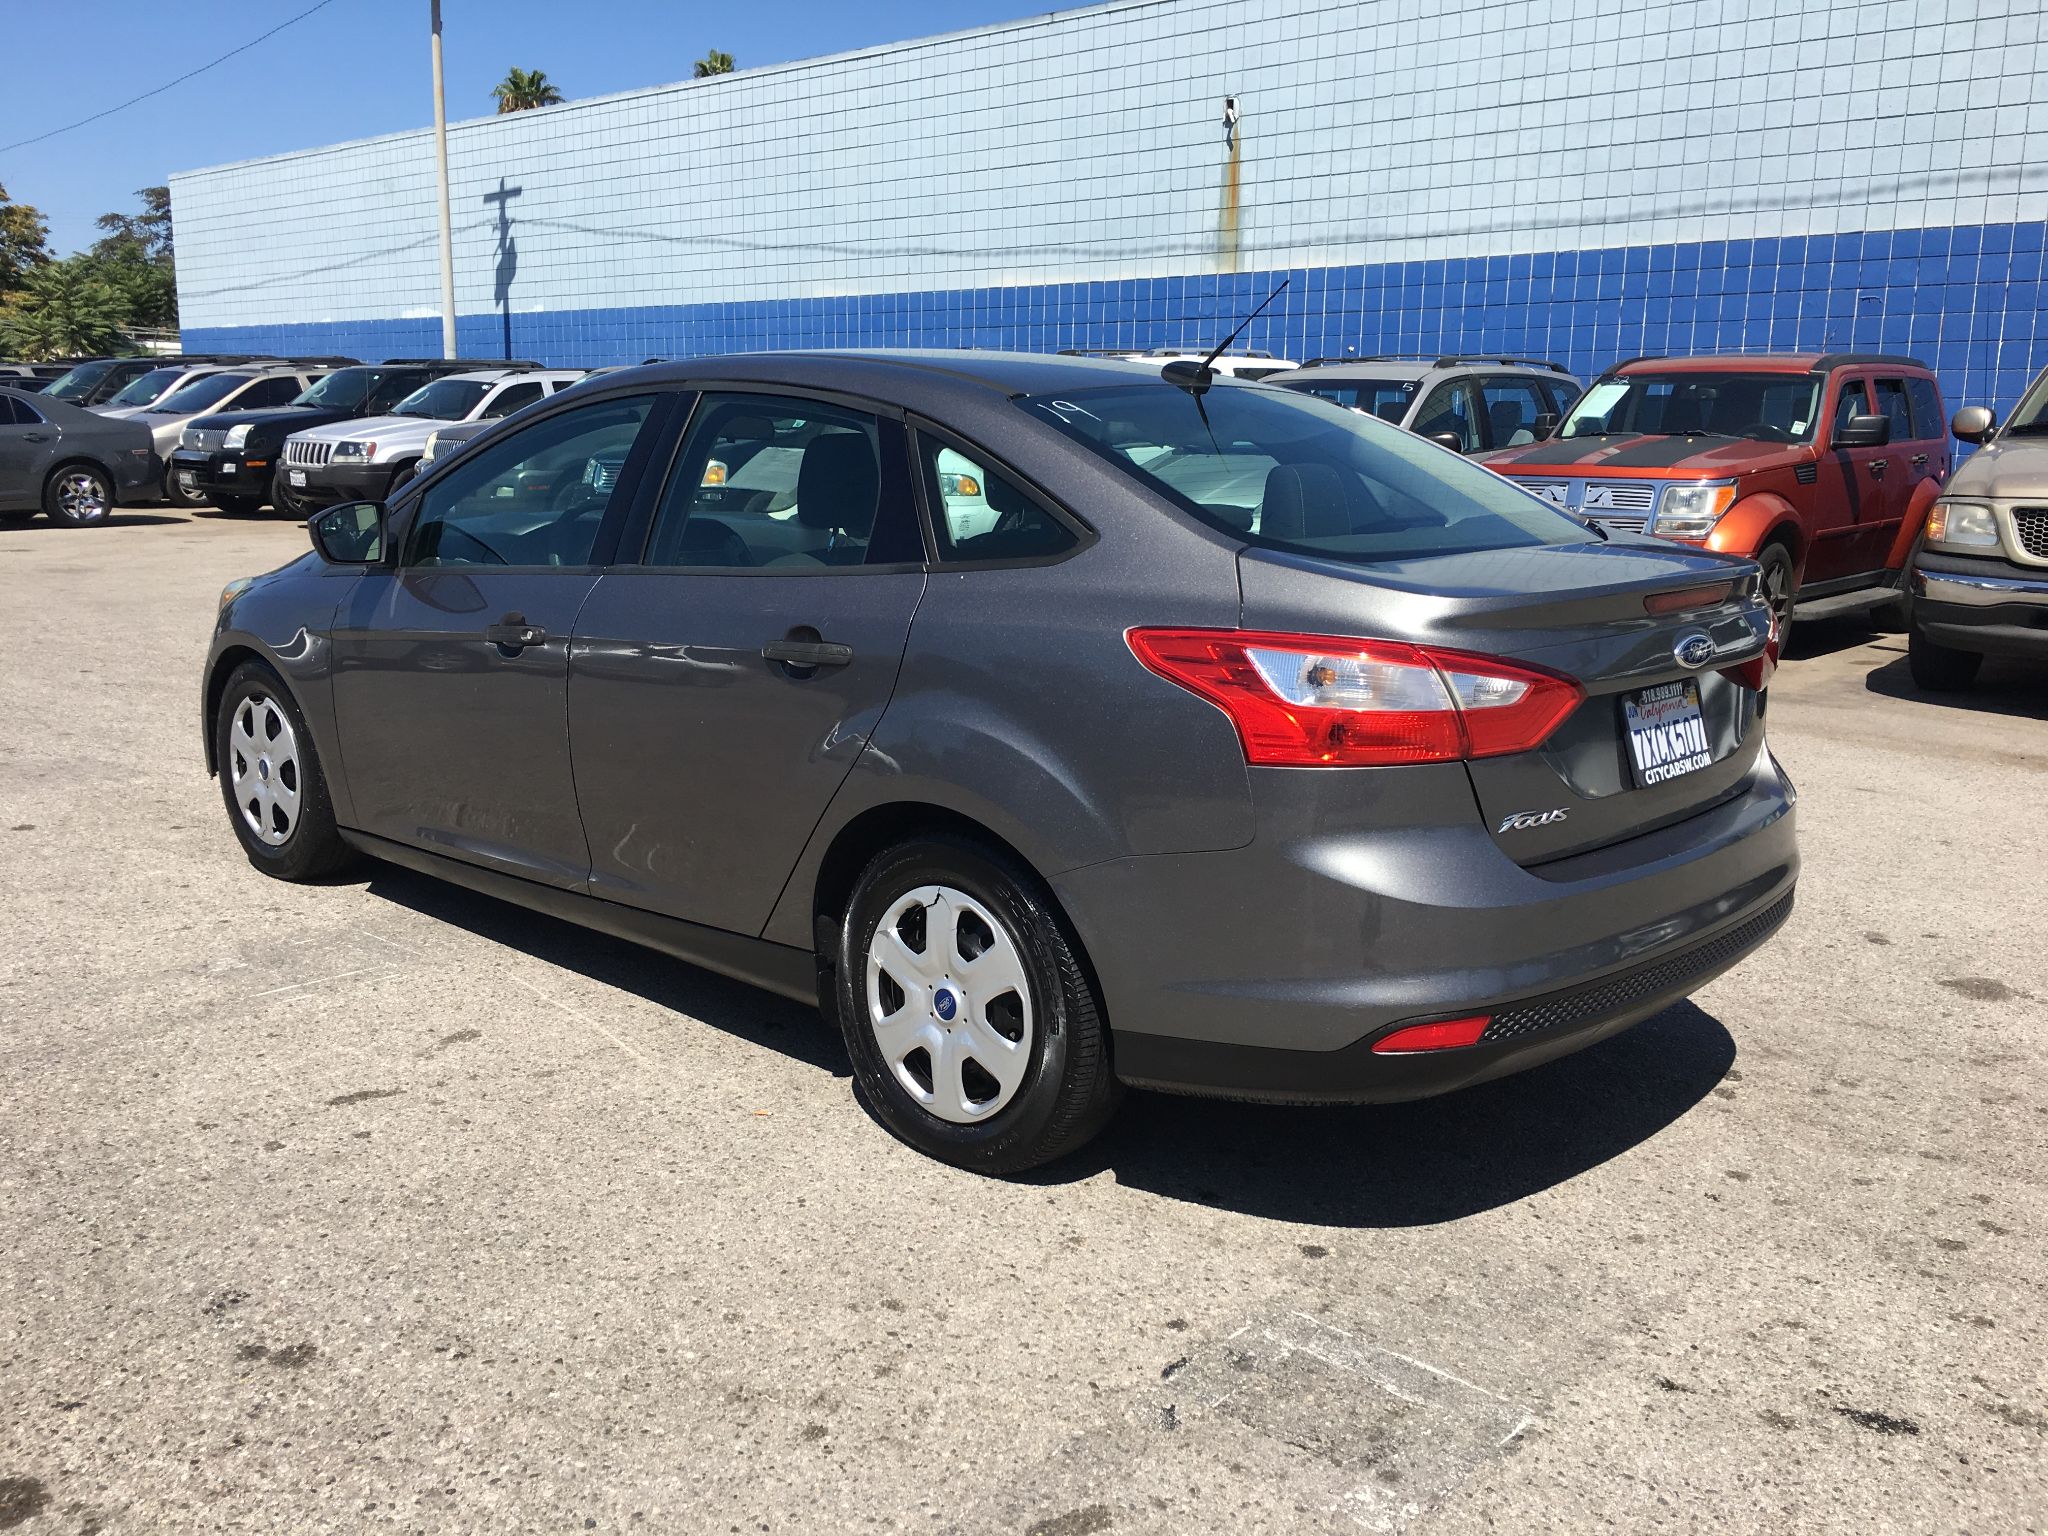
{"x": 1967, "y": 299}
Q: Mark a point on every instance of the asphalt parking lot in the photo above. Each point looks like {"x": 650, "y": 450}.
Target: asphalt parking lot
{"x": 382, "y": 1206}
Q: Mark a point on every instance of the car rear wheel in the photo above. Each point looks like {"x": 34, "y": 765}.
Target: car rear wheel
{"x": 1940, "y": 668}
{"x": 78, "y": 496}
{"x": 271, "y": 781}
{"x": 974, "y": 1029}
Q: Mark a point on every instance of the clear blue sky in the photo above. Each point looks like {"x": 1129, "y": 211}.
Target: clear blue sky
{"x": 360, "y": 68}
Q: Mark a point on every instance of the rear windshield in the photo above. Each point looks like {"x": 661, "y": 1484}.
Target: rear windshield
{"x": 1387, "y": 399}
{"x": 209, "y": 389}
{"x": 443, "y": 400}
{"x": 145, "y": 390}
{"x": 79, "y": 382}
{"x": 1289, "y": 471}
{"x": 1770, "y": 407}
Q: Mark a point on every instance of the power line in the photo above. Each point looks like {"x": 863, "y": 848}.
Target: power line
{"x": 202, "y": 69}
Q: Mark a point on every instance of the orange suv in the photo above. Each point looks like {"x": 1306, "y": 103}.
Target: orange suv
{"x": 1819, "y": 467}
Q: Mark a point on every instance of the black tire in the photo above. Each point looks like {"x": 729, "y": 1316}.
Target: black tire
{"x": 1066, "y": 1092}
{"x": 1780, "y": 586}
{"x": 1940, "y": 668}
{"x": 311, "y": 845}
{"x": 79, "y": 495}
{"x": 238, "y": 506}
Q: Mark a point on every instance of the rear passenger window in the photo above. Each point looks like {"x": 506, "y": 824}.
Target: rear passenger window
{"x": 794, "y": 485}
{"x": 979, "y": 514}
{"x": 1927, "y": 422}
{"x": 1891, "y": 402}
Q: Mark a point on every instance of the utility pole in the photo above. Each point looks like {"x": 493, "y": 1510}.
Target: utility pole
{"x": 441, "y": 168}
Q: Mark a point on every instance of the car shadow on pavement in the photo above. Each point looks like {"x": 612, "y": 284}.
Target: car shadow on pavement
{"x": 1419, "y": 1163}
{"x": 740, "y": 1010}
{"x": 1814, "y": 638}
{"x": 2006, "y": 686}
{"x": 113, "y": 520}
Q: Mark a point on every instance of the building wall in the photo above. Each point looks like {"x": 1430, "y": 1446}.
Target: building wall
{"x": 1558, "y": 178}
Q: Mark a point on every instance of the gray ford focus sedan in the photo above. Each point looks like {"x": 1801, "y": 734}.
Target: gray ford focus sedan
{"x": 1054, "y": 724}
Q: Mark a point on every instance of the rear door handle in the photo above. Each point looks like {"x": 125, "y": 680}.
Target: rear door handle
{"x": 807, "y": 653}
{"x": 514, "y": 634}
{"x": 1919, "y": 461}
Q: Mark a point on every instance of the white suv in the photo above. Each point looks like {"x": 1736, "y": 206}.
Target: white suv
{"x": 363, "y": 460}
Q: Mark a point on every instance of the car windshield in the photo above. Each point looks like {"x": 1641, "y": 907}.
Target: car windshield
{"x": 1387, "y": 399}
{"x": 2030, "y": 416}
{"x": 153, "y": 384}
{"x": 79, "y": 382}
{"x": 342, "y": 390}
{"x": 1290, "y": 471}
{"x": 204, "y": 392}
{"x": 443, "y": 400}
{"x": 1770, "y": 407}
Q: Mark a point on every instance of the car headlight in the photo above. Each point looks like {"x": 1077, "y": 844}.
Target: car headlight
{"x": 1962, "y": 525}
{"x": 236, "y": 437}
{"x": 349, "y": 450}
{"x": 1690, "y": 511}
{"x": 235, "y": 589}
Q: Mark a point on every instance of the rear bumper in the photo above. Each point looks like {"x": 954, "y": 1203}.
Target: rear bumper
{"x": 1268, "y": 972}
{"x": 1978, "y": 604}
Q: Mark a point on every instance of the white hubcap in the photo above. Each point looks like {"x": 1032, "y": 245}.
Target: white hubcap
{"x": 949, "y": 1003}
{"x": 263, "y": 768}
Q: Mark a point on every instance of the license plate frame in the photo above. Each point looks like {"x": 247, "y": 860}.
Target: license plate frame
{"x": 297, "y": 477}
{"x": 1666, "y": 732}
{"x": 188, "y": 481}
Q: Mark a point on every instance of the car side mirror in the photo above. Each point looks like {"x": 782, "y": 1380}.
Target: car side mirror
{"x": 350, "y": 534}
{"x": 1973, "y": 423}
{"x": 1864, "y": 432}
{"x": 1449, "y": 440}
{"x": 1545, "y": 426}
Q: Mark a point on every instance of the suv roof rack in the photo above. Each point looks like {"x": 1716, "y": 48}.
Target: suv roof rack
{"x": 1879, "y": 359}
{"x": 323, "y": 362}
{"x": 1437, "y": 360}
{"x": 1452, "y": 360}
{"x": 513, "y": 364}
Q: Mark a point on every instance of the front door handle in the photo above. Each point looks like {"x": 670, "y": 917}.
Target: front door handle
{"x": 1877, "y": 469}
{"x": 513, "y": 633}
{"x": 807, "y": 653}
{"x": 35, "y": 437}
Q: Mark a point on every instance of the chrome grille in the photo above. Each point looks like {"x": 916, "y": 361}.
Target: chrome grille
{"x": 1616, "y": 503}
{"x": 1604, "y": 496}
{"x": 309, "y": 452}
{"x": 203, "y": 441}
{"x": 2030, "y": 526}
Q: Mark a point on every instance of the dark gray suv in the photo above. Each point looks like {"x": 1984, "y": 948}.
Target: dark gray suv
{"x": 1055, "y": 724}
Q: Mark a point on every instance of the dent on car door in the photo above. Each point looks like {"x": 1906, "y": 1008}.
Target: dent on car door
{"x": 451, "y": 667}
{"x": 721, "y": 688}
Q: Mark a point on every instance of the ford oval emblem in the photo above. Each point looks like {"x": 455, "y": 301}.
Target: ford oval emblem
{"x": 1693, "y": 649}
{"x": 945, "y": 1005}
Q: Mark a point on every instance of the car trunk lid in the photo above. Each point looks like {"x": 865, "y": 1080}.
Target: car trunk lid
{"x": 1654, "y": 636}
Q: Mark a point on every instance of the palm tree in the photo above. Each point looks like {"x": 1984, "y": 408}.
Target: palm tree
{"x": 524, "y": 89}
{"x": 713, "y": 63}
{"x": 64, "y": 309}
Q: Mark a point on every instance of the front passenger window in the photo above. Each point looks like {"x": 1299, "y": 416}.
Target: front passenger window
{"x": 1450, "y": 408}
{"x": 508, "y": 400}
{"x": 534, "y": 498}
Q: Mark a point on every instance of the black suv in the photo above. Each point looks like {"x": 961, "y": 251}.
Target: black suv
{"x": 232, "y": 455}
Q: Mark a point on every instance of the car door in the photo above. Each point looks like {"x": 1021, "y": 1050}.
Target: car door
{"x": 1848, "y": 491}
{"x": 721, "y": 687}
{"x": 509, "y": 398}
{"x": 451, "y": 667}
{"x": 25, "y": 441}
{"x": 1879, "y": 531}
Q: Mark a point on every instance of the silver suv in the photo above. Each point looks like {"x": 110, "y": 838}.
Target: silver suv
{"x": 1469, "y": 404}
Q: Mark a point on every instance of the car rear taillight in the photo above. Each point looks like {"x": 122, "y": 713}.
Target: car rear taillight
{"x": 1446, "y": 1035}
{"x": 1314, "y": 701}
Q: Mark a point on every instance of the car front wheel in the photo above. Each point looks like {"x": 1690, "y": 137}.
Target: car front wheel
{"x": 276, "y": 796}
{"x": 974, "y": 1029}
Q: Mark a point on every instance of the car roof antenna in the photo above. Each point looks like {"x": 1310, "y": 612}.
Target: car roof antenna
{"x": 1196, "y": 377}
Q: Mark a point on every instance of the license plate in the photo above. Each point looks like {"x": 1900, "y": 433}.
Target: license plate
{"x": 187, "y": 481}
{"x": 296, "y": 476}
{"x": 1667, "y": 736}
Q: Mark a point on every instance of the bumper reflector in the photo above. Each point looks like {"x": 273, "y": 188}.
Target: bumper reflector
{"x": 1445, "y": 1035}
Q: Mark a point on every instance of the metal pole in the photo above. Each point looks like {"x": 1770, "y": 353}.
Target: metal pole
{"x": 441, "y": 169}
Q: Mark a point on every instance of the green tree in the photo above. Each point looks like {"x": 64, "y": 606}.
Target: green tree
{"x": 524, "y": 89}
{"x": 24, "y": 236}
{"x": 64, "y": 309}
{"x": 713, "y": 63}
{"x": 136, "y": 258}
